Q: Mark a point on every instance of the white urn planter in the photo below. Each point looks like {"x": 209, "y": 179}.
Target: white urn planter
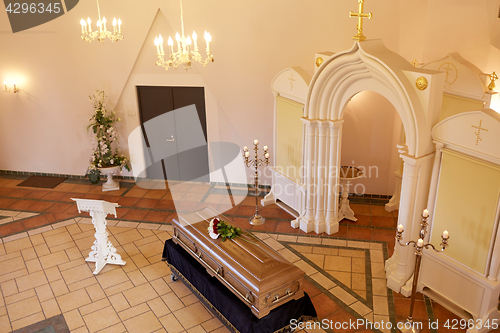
{"x": 110, "y": 185}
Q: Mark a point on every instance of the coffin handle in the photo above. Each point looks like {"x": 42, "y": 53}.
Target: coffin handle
{"x": 277, "y": 298}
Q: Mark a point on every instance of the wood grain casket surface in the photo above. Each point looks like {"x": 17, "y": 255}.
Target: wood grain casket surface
{"x": 253, "y": 271}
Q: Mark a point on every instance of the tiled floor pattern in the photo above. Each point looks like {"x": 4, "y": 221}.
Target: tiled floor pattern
{"x": 154, "y": 208}
{"x": 7, "y": 216}
{"x": 44, "y": 274}
{"x": 350, "y": 274}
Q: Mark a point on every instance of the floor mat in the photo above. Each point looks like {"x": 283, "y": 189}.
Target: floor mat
{"x": 56, "y": 324}
{"x": 43, "y": 181}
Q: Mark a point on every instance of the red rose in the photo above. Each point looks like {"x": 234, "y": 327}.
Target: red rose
{"x": 216, "y": 222}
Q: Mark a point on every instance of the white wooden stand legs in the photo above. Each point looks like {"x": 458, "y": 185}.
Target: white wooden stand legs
{"x": 103, "y": 252}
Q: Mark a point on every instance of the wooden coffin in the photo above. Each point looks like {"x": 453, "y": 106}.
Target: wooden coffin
{"x": 253, "y": 271}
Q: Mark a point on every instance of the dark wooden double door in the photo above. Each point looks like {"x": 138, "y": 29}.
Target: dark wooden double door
{"x": 175, "y": 135}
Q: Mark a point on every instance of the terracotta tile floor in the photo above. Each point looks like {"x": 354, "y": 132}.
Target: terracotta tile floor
{"x": 44, "y": 241}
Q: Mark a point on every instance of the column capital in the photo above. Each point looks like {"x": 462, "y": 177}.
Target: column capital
{"x": 412, "y": 160}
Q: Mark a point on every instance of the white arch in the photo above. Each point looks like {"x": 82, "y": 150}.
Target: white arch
{"x": 356, "y": 70}
{"x": 368, "y": 65}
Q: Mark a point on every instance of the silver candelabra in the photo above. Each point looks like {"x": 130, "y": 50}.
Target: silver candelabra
{"x": 419, "y": 245}
{"x": 256, "y": 162}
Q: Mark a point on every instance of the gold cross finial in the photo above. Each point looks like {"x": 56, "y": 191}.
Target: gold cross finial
{"x": 415, "y": 63}
{"x": 493, "y": 77}
{"x": 360, "y": 15}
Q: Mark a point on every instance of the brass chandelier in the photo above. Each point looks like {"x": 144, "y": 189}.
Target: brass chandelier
{"x": 184, "y": 54}
{"x": 102, "y": 32}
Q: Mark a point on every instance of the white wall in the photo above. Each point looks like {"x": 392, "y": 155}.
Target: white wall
{"x": 42, "y": 129}
{"x": 370, "y": 133}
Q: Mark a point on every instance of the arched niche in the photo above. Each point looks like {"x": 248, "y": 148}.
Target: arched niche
{"x": 368, "y": 65}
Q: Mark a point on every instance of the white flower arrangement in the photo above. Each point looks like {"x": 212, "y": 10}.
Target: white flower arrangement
{"x": 105, "y": 143}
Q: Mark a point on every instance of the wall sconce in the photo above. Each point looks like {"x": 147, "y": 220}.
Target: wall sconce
{"x": 15, "y": 88}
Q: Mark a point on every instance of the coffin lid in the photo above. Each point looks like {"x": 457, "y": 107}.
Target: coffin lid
{"x": 260, "y": 261}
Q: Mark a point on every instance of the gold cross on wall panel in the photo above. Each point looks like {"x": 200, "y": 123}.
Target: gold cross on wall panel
{"x": 360, "y": 15}
{"x": 478, "y": 133}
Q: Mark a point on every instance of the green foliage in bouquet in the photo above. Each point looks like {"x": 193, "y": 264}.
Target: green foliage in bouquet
{"x": 227, "y": 231}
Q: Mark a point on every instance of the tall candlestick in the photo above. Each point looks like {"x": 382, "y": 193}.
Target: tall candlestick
{"x": 408, "y": 325}
{"x": 255, "y": 163}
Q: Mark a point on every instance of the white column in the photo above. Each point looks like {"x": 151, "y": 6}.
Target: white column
{"x": 306, "y": 221}
{"x": 269, "y": 198}
{"x": 103, "y": 252}
{"x": 332, "y": 210}
{"x": 434, "y": 180}
{"x": 414, "y": 195}
{"x": 321, "y": 178}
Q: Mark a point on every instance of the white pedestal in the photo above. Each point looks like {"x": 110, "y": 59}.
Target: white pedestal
{"x": 345, "y": 211}
{"x": 103, "y": 252}
{"x": 110, "y": 185}
{"x": 347, "y": 173}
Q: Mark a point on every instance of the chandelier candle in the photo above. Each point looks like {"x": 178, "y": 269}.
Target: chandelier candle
{"x": 408, "y": 326}
{"x": 255, "y": 163}
{"x": 184, "y": 55}
{"x": 102, "y": 32}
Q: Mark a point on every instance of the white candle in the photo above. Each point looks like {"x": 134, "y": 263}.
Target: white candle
{"x": 160, "y": 41}
{"x": 83, "y": 24}
{"x": 104, "y": 23}
{"x": 400, "y": 228}
{"x": 114, "y": 25}
{"x": 178, "y": 39}
{"x": 265, "y": 148}
{"x": 15, "y": 87}
{"x": 255, "y": 142}
{"x": 445, "y": 234}
{"x": 171, "y": 44}
{"x": 420, "y": 242}
{"x": 119, "y": 26}
{"x": 195, "y": 37}
{"x": 89, "y": 23}
{"x": 426, "y": 213}
{"x": 247, "y": 154}
{"x": 208, "y": 38}
{"x": 157, "y": 43}
{"x": 245, "y": 148}
{"x": 267, "y": 155}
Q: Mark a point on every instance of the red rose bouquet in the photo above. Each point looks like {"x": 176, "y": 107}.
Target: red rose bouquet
{"x": 217, "y": 227}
